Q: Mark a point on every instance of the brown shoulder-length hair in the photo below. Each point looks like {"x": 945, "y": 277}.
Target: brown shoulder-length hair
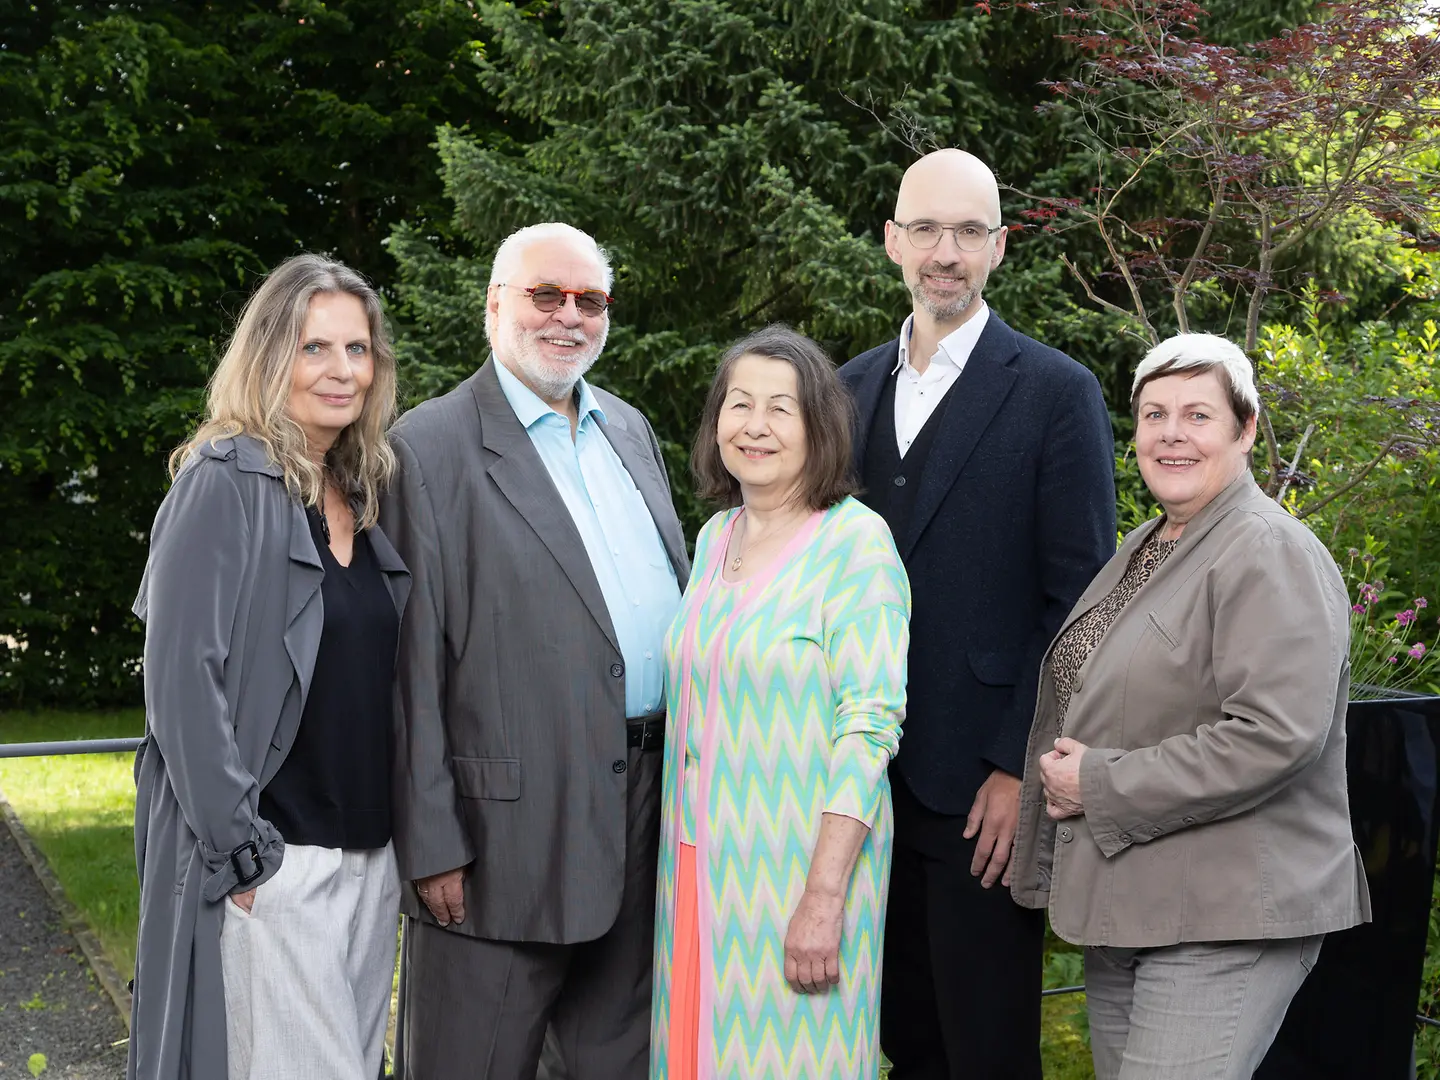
{"x": 826, "y": 409}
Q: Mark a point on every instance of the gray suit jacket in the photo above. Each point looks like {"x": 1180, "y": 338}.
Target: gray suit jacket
{"x": 233, "y": 615}
{"x": 512, "y": 685}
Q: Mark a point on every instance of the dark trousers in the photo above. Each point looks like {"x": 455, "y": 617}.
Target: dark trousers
{"x": 474, "y": 1009}
{"x": 960, "y": 990}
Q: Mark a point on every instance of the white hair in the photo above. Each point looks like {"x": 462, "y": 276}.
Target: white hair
{"x": 1203, "y": 352}
{"x": 507, "y": 255}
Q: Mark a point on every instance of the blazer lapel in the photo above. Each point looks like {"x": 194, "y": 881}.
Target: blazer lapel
{"x": 523, "y": 479}
{"x": 644, "y": 470}
{"x": 304, "y": 606}
{"x": 397, "y": 575}
{"x": 868, "y": 391}
{"x": 967, "y": 411}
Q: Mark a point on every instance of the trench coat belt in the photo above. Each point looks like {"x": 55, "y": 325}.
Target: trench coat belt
{"x": 646, "y": 732}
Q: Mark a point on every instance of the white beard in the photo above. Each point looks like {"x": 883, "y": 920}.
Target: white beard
{"x": 552, "y": 379}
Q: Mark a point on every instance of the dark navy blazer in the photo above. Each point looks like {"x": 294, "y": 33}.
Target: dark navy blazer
{"x": 1014, "y": 516}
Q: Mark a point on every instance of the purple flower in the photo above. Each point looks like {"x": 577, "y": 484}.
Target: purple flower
{"x": 1405, "y": 618}
{"x": 1354, "y": 553}
{"x": 1417, "y": 651}
{"x": 1421, "y": 603}
{"x": 1393, "y": 660}
{"x": 1359, "y": 609}
{"x": 1368, "y": 558}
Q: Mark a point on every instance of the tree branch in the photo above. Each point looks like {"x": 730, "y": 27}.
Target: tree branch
{"x": 1272, "y": 451}
{"x": 1294, "y": 464}
{"x": 1389, "y": 445}
{"x": 1130, "y": 316}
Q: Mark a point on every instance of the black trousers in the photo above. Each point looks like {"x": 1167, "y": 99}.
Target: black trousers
{"x": 960, "y": 990}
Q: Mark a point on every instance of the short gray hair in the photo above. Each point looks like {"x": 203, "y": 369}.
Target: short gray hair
{"x": 1197, "y": 353}
{"x": 507, "y": 255}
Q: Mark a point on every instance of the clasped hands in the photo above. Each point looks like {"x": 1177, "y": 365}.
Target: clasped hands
{"x": 1060, "y": 777}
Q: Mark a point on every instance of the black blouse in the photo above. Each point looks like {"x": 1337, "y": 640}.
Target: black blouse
{"x": 333, "y": 789}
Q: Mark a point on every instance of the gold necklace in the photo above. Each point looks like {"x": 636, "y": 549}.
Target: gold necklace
{"x": 747, "y": 545}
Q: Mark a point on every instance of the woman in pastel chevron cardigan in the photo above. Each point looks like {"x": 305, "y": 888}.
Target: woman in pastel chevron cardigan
{"x": 787, "y": 688}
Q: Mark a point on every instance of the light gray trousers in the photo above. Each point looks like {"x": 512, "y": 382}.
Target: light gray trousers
{"x": 308, "y": 972}
{"x": 1195, "y": 1011}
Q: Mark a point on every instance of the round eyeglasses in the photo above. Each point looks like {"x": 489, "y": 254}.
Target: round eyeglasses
{"x": 969, "y": 235}
{"x": 547, "y": 298}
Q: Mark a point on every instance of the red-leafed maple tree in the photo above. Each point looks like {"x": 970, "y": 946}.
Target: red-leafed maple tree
{"x": 1266, "y": 144}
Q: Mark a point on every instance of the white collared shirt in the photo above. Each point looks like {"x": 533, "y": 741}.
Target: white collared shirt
{"x": 916, "y": 395}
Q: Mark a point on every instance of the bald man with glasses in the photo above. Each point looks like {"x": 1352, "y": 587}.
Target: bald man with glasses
{"x": 534, "y": 512}
{"x": 991, "y": 458}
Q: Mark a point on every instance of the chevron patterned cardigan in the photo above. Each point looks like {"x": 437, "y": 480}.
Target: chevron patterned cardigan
{"x": 796, "y": 680}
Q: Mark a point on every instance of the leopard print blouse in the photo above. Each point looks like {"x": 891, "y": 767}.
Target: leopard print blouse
{"x": 1079, "y": 640}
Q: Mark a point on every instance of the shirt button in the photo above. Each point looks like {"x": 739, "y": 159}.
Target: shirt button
{"x": 1124, "y": 837}
{"x": 617, "y": 670}
{"x": 1065, "y": 834}
{"x": 648, "y": 706}
{"x": 649, "y": 655}
{"x": 1189, "y": 820}
{"x": 618, "y": 765}
{"x": 899, "y": 481}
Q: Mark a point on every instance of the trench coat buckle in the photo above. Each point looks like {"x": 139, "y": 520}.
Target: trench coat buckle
{"x": 251, "y": 849}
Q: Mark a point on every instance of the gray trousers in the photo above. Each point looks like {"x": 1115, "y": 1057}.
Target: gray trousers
{"x": 1195, "y": 1011}
{"x": 308, "y": 971}
{"x": 475, "y": 1009}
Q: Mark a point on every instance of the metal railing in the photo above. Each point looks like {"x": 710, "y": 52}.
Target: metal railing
{"x": 69, "y": 746}
{"x": 112, "y": 746}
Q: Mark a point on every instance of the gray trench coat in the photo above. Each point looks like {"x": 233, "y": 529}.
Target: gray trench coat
{"x": 232, "y": 610}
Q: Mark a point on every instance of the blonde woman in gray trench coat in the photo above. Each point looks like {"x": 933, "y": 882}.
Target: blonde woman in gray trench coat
{"x": 1183, "y": 811}
{"x": 271, "y": 603}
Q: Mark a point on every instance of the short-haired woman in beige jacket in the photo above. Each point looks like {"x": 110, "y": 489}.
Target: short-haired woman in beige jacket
{"x": 1184, "y": 812}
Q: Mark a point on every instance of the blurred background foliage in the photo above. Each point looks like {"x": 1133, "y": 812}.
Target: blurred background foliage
{"x": 737, "y": 157}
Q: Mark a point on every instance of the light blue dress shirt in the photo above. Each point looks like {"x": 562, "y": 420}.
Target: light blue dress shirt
{"x": 624, "y": 546}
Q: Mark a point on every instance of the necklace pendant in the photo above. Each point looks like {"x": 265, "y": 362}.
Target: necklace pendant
{"x": 735, "y": 563}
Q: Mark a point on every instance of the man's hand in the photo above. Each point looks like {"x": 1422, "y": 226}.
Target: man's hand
{"x": 994, "y": 817}
{"x": 812, "y": 943}
{"x": 1060, "y": 776}
{"x": 444, "y": 895}
{"x": 244, "y": 900}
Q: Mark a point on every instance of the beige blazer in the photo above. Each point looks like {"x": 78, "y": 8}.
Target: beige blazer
{"x": 1214, "y": 709}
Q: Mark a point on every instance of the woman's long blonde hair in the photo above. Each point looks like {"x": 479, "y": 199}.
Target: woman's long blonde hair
{"x": 250, "y": 390}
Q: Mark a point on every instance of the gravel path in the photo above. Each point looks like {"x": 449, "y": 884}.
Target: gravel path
{"x": 50, "y": 1001}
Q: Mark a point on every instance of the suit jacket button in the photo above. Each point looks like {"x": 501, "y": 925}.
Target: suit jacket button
{"x": 899, "y": 481}
{"x": 1124, "y": 837}
{"x": 1065, "y": 834}
{"x": 617, "y": 670}
{"x": 1154, "y": 830}
{"x": 1189, "y": 820}
{"x": 618, "y": 765}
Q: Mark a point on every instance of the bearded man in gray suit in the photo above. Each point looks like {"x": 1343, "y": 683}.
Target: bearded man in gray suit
{"x": 535, "y": 515}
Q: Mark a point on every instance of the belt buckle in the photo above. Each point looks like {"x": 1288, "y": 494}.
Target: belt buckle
{"x": 252, "y": 849}
{"x": 651, "y": 735}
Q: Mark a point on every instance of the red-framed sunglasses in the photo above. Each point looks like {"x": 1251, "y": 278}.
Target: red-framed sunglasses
{"x": 547, "y": 298}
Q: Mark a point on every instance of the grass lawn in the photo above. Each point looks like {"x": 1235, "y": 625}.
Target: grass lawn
{"x": 80, "y": 811}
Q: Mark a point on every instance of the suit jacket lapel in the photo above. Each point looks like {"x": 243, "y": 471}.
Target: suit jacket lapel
{"x": 523, "y": 479}
{"x": 645, "y": 472}
{"x": 868, "y": 392}
{"x": 965, "y": 414}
